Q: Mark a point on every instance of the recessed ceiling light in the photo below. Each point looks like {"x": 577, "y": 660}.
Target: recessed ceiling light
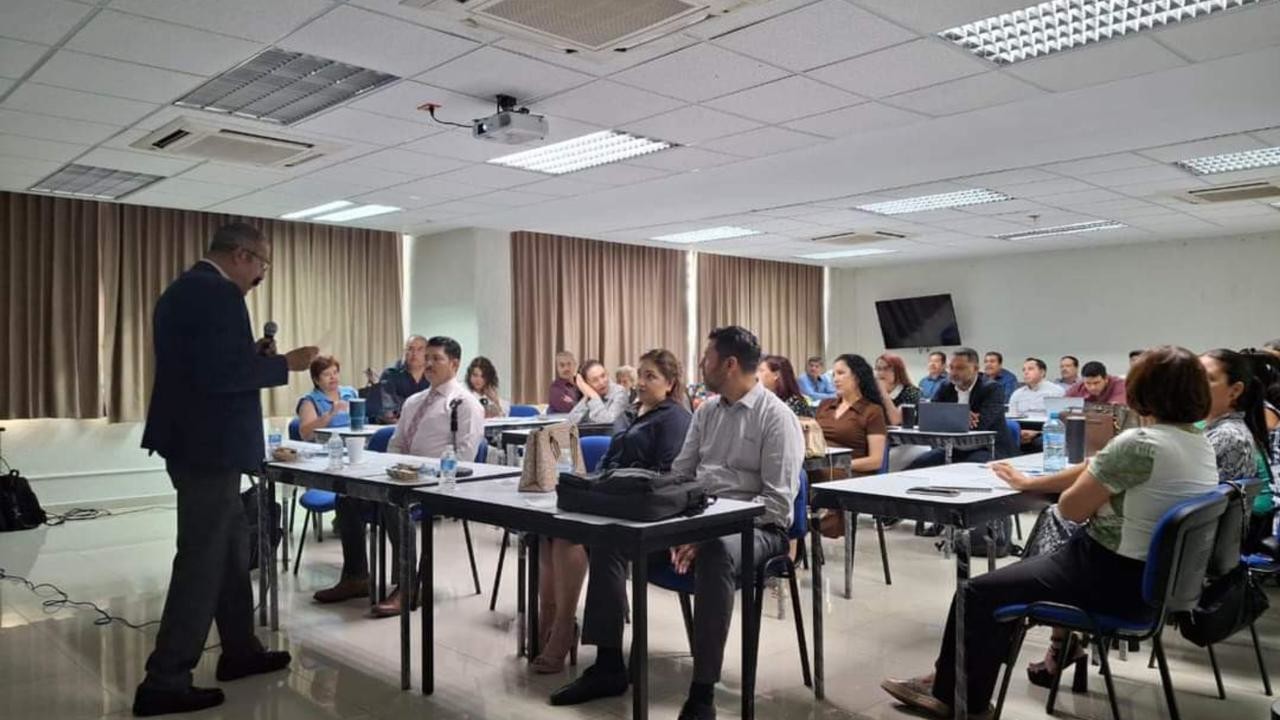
{"x": 941, "y": 201}
{"x": 1071, "y": 229}
{"x": 580, "y": 153}
{"x": 1058, "y": 25}
{"x": 356, "y": 213}
{"x": 724, "y": 232}
{"x": 1229, "y": 162}
{"x": 327, "y": 207}
{"x": 857, "y": 252}
{"x": 283, "y": 87}
{"x": 94, "y": 182}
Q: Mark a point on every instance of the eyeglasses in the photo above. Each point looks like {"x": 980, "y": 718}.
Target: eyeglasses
{"x": 266, "y": 262}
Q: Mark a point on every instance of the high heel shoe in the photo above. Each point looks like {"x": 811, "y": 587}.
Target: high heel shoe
{"x": 1040, "y": 675}
{"x": 551, "y": 661}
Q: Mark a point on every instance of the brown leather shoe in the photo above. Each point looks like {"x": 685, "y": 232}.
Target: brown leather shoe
{"x": 391, "y": 606}
{"x": 346, "y": 589}
{"x": 831, "y": 525}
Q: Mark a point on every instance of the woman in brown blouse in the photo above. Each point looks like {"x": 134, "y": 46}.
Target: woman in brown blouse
{"x": 854, "y": 418}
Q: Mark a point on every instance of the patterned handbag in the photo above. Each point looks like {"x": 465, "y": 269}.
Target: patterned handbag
{"x": 542, "y": 452}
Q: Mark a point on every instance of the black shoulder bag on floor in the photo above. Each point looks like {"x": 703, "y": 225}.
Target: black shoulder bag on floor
{"x": 249, "y": 498}
{"x": 19, "y": 507}
{"x": 632, "y": 494}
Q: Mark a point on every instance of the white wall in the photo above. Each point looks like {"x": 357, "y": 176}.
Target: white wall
{"x": 460, "y": 286}
{"x": 83, "y": 462}
{"x": 1097, "y": 304}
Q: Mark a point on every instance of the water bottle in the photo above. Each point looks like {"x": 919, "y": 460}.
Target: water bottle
{"x": 274, "y": 440}
{"x": 334, "y": 448}
{"x": 565, "y": 463}
{"x": 1055, "y": 444}
{"x": 448, "y": 470}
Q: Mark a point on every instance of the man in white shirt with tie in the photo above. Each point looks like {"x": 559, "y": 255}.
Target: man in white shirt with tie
{"x": 1029, "y": 399}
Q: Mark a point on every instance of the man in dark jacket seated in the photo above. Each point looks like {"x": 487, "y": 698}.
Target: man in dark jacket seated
{"x": 985, "y": 398}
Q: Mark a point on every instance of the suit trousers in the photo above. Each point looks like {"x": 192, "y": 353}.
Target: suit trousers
{"x": 210, "y": 580}
{"x": 352, "y": 516}
{"x": 715, "y": 568}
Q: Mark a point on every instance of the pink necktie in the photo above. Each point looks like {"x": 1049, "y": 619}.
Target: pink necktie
{"x": 417, "y": 420}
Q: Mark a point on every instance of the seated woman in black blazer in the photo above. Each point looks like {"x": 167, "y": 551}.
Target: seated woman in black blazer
{"x": 648, "y": 436}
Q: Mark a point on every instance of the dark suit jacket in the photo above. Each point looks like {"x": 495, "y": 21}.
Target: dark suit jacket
{"x": 205, "y": 407}
{"x": 987, "y": 400}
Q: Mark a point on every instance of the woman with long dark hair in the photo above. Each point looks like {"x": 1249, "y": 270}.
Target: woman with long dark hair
{"x": 482, "y": 381}
{"x": 1237, "y": 430}
{"x": 854, "y": 418}
{"x": 777, "y": 376}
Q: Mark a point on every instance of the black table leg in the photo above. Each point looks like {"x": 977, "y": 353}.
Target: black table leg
{"x": 268, "y": 561}
{"x": 372, "y": 564}
{"x": 264, "y": 548}
{"x": 991, "y": 546}
{"x": 850, "y": 547}
{"x": 531, "y": 605}
{"x": 640, "y": 636}
{"x": 750, "y": 625}
{"x": 522, "y": 648}
{"x": 407, "y": 566}
{"x": 428, "y": 585}
{"x": 815, "y": 567}
{"x": 961, "y": 549}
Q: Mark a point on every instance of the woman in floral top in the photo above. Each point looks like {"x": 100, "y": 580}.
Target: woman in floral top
{"x": 895, "y": 386}
{"x": 1236, "y": 429}
{"x": 777, "y": 375}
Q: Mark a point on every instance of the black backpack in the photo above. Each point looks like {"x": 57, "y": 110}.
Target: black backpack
{"x": 632, "y": 494}
{"x": 249, "y": 498}
{"x": 979, "y": 547}
{"x": 19, "y": 507}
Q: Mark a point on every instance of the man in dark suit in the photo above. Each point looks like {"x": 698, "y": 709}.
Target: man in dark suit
{"x": 986, "y": 409}
{"x": 205, "y": 419}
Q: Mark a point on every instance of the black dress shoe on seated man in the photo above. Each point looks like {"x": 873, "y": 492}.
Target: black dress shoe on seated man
{"x": 696, "y": 710}
{"x": 593, "y": 684}
{"x": 234, "y": 668}
{"x": 148, "y": 702}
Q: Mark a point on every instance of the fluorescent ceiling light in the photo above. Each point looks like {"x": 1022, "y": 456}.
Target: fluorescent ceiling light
{"x": 580, "y": 153}
{"x": 96, "y": 183}
{"x": 1058, "y": 25}
{"x": 941, "y": 201}
{"x": 356, "y": 213}
{"x": 706, "y": 234}
{"x": 1229, "y": 162}
{"x": 1072, "y": 229}
{"x": 298, "y": 214}
{"x": 283, "y": 87}
{"x": 857, "y": 252}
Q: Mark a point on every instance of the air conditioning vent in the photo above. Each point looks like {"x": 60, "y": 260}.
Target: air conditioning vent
{"x": 1257, "y": 190}
{"x": 189, "y": 138}
{"x": 860, "y": 237}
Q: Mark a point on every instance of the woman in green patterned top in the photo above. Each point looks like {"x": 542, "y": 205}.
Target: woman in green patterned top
{"x": 1237, "y": 430}
{"x": 777, "y": 376}
{"x": 1123, "y": 492}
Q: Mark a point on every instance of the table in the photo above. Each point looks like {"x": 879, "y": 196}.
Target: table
{"x": 886, "y": 495}
{"x": 835, "y": 456}
{"x": 346, "y": 431}
{"x": 499, "y": 502}
{"x": 367, "y": 481}
{"x": 948, "y": 441}
{"x": 1030, "y": 421}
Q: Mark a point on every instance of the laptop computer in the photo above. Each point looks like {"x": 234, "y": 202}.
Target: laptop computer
{"x": 943, "y": 417}
{"x": 1061, "y": 404}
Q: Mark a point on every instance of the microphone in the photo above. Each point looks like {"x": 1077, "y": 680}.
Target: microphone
{"x": 270, "y": 329}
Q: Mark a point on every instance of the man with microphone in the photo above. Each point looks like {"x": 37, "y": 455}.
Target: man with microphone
{"x": 205, "y": 420}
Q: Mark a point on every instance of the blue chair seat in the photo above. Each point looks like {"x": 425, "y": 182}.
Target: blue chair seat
{"x": 318, "y": 501}
{"x": 1261, "y": 563}
{"x": 523, "y": 411}
{"x": 1073, "y": 617}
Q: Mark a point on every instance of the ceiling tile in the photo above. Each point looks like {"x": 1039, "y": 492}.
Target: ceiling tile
{"x": 370, "y": 177}
{"x": 699, "y": 73}
{"x": 816, "y": 35}
{"x": 151, "y": 163}
{"x": 252, "y": 19}
{"x": 154, "y": 198}
{"x": 402, "y": 99}
{"x": 1221, "y": 34}
{"x": 60, "y": 102}
{"x": 761, "y": 142}
{"x": 420, "y": 193}
{"x": 365, "y": 127}
{"x": 929, "y": 16}
{"x": 607, "y": 103}
{"x": 864, "y": 118}
{"x": 493, "y": 177}
{"x": 151, "y": 42}
{"x": 41, "y": 21}
{"x": 460, "y": 208}
{"x": 618, "y": 174}
{"x": 742, "y": 15}
{"x": 308, "y": 191}
{"x": 1202, "y": 148}
{"x": 26, "y": 170}
{"x": 376, "y": 41}
{"x": 400, "y": 160}
{"x": 691, "y": 124}
{"x": 1008, "y": 178}
{"x": 1151, "y": 173}
{"x": 460, "y": 145}
{"x": 512, "y": 198}
{"x": 202, "y": 193}
{"x": 33, "y": 149}
{"x": 785, "y": 99}
{"x": 429, "y": 18}
{"x": 909, "y": 66}
{"x": 5, "y": 84}
{"x": 1079, "y": 200}
{"x": 53, "y": 128}
{"x": 101, "y": 75}
{"x": 971, "y": 93}
{"x": 683, "y": 159}
{"x": 983, "y": 226}
{"x": 1057, "y": 186}
{"x": 602, "y": 65}
{"x": 235, "y": 175}
{"x": 489, "y": 72}
{"x": 1006, "y": 207}
{"x": 1158, "y": 188}
{"x": 563, "y": 186}
{"x": 17, "y": 57}
{"x": 1104, "y": 163}
{"x": 1096, "y": 64}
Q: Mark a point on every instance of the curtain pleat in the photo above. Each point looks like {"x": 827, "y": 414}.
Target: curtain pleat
{"x": 595, "y": 299}
{"x": 780, "y": 302}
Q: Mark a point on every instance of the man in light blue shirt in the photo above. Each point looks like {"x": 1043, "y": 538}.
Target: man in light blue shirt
{"x": 937, "y": 375}
{"x": 814, "y": 384}
{"x": 993, "y": 368}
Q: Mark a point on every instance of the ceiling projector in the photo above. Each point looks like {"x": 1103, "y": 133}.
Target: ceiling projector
{"x": 509, "y": 125}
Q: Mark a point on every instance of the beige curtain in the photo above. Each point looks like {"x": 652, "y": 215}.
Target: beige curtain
{"x": 49, "y": 290}
{"x": 335, "y": 287}
{"x": 598, "y": 300}
{"x": 780, "y": 302}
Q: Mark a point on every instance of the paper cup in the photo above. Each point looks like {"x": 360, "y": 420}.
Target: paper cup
{"x": 355, "y": 450}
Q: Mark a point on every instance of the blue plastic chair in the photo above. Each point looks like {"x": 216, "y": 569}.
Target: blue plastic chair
{"x": 316, "y": 503}
{"x": 416, "y": 514}
{"x": 594, "y": 448}
{"x": 779, "y": 566}
{"x": 295, "y": 430}
{"x": 1177, "y": 563}
{"x": 523, "y": 411}
{"x": 1015, "y": 432}
{"x": 379, "y": 441}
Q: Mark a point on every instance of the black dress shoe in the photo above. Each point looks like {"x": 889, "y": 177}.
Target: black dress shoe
{"x": 693, "y": 710}
{"x": 150, "y": 701}
{"x": 234, "y": 668}
{"x": 593, "y": 684}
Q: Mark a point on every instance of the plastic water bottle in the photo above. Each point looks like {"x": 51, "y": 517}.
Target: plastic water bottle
{"x": 334, "y": 448}
{"x": 448, "y": 470}
{"x": 565, "y": 462}
{"x": 1055, "y": 444}
{"x": 274, "y": 440}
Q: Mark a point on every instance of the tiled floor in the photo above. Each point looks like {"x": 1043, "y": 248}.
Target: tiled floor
{"x": 58, "y": 664}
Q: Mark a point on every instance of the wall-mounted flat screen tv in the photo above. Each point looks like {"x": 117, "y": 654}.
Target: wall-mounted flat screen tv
{"x": 927, "y": 321}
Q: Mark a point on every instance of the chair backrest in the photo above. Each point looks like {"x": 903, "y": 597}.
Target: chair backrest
{"x": 800, "y": 509}
{"x": 1015, "y": 432}
{"x": 884, "y": 461}
{"x": 295, "y": 430}
{"x": 594, "y": 448}
{"x": 1230, "y": 536}
{"x": 523, "y": 411}
{"x": 482, "y": 453}
{"x": 1178, "y": 556}
{"x": 381, "y": 439}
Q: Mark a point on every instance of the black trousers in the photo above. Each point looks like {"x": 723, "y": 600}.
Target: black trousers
{"x": 1081, "y": 573}
{"x": 352, "y": 517}
{"x": 210, "y": 580}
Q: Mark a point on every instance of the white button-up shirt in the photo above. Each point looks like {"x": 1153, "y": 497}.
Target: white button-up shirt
{"x": 1027, "y": 399}
{"x": 425, "y": 429}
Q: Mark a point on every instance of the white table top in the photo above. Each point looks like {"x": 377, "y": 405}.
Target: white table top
{"x": 373, "y": 466}
{"x": 519, "y": 422}
{"x": 896, "y": 430}
{"x": 346, "y": 431}
{"x": 836, "y": 451}
{"x": 895, "y": 485}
